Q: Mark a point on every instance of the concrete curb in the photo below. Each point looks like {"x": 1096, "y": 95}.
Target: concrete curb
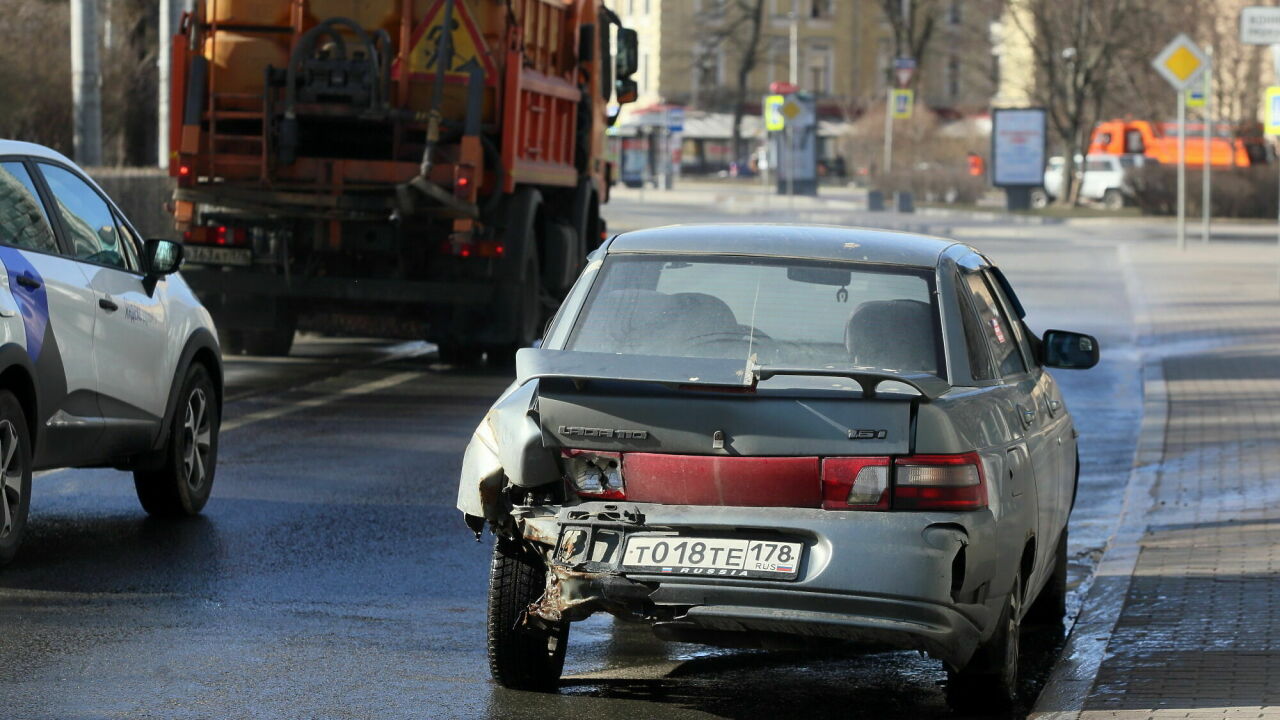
{"x": 1073, "y": 675}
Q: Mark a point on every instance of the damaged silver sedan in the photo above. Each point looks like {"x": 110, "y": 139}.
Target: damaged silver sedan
{"x": 761, "y": 436}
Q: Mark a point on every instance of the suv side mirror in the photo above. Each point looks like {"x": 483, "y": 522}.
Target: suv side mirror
{"x": 628, "y": 57}
{"x": 164, "y": 257}
{"x": 1069, "y": 350}
{"x": 628, "y": 91}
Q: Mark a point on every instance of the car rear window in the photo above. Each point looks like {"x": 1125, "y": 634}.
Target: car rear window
{"x": 764, "y": 311}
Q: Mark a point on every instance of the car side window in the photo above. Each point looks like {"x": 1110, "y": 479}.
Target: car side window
{"x": 996, "y": 325}
{"x": 1011, "y": 308}
{"x": 87, "y": 219}
{"x": 974, "y": 338}
{"x": 23, "y": 222}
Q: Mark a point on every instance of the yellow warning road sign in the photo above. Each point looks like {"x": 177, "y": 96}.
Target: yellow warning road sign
{"x": 469, "y": 49}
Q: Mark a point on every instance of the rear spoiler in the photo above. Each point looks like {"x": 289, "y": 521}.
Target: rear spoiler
{"x": 535, "y": 363}
{"x": 930, "y": 387}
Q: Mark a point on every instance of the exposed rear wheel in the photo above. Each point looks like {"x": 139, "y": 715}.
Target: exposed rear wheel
{"x": 1113, "y": 199}
{"x": 990, "y": 681}
{"x": 522, "y": 655}
{"x": 15, "y": 475}
{"x": 178, "y": 481}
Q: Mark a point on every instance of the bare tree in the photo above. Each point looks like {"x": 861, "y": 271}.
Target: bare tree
{"x": 913, "y": 23}
{"x": 1075, "y": 45}
{"x": 736, "y": 27}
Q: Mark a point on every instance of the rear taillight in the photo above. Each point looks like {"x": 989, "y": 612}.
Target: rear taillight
{"x": 939, "y": 482}
{"x": 915, "y": 482}
{"x": 596, "y": 475}
{"x": 855, "y": 483}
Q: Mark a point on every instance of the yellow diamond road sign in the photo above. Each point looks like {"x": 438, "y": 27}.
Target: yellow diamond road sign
{"x": 1180, "y": 62}
{"x": 790, "y": 110}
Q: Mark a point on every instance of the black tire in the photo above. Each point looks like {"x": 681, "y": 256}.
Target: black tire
{"x": 522, "y": 656}
{"x": 277, "y": 341}
{"x": 1113, "y": 199}
{"x": 15, "y": 475}
{"x": 458, "y": 354}
{"x": 1050, "y": 607}
{"x": 529, "y": 315}
{"x": 989, "y": 682}
{"x": 1040, "y": 199}
{"x": 178, "y": 480}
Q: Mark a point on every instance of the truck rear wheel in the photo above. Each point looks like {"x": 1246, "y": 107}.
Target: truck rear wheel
{"x": 276, "y": 341}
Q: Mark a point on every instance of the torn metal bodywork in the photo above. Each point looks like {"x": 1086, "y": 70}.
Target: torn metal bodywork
{"x": 506, "y": 450}
{"x": 585, "y": 567}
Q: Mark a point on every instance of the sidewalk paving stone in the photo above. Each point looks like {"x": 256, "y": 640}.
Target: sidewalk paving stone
{"x": 1199, "y": 632}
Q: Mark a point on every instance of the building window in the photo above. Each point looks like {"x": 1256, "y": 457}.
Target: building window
{"x": 817, "y": 74}
{"x": 821, "y": 9}
{"x": 953, "y": 77}
{"x": 953, "y": 16}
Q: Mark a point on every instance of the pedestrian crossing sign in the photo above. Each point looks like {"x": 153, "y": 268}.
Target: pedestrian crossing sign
{"x": 902, "y": 101}
{"x": 774, "y": 120}
{"x": 1273, "y": 110}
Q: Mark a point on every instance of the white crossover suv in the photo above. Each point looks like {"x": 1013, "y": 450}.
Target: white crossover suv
{"x": 106, "y": 357}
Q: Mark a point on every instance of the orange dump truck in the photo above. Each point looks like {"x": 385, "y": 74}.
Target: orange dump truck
{"x": 428, "y": 169}
{"x": 1159, "y": 142}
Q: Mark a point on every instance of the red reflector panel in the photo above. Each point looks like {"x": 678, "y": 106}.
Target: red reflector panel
{"x": 731, "y": 481}
{"x": 939, "y": 482}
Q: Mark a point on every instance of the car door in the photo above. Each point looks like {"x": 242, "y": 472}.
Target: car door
{"x": 1015, "y": 395}
{"x": 1040, "y": 427}
{"x": 51, "y": 294}
{"x": 130, "y": 338}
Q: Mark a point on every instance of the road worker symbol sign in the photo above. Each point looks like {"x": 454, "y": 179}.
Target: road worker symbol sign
{"x": 469, "y": 49}
{"x": 1180, "y": 62}
{"x": 774, "y": 120}
{"x": 1273, "y": 110}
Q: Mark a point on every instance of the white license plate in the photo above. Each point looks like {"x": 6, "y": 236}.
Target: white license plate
{"x": 217, "y": 255}
{"x": 713, "y": 557}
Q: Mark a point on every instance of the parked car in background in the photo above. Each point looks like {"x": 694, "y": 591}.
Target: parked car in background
{"x": 1104, "y": 179}
{"x": 106, "y": 357}
{"x": 771, "y": 436}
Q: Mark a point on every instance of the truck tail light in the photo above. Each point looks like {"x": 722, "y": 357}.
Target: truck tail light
{"x": 594, "y": 475}
{"x": 939, "y": 482}
{"x": 855, "y": 483}
{"x": 463, "y": 178}
{"x": 230, "y": 235}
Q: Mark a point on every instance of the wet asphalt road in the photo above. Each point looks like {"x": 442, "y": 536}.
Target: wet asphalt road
{"x": 330, "y": 575}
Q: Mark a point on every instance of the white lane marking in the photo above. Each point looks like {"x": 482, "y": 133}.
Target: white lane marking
{"x": 363, "y": 389}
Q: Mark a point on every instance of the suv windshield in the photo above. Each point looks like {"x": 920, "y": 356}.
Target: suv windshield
{"x": 762, "y": 312}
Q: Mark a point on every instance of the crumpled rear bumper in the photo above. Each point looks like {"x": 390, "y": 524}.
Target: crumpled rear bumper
{"x": 880, "y": 580}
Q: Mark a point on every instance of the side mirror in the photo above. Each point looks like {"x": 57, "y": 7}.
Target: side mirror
{"x": 628, "y": 57}
{"x": 1069, "y": 350}
{"x": 627, "y": 91}
{"x": 164, "y": 257}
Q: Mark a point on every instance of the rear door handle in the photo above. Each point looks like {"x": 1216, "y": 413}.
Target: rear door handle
{"x": 1028, "y": 415}
{"x": 108, "y": 304}
{"x": 29, "y": 281}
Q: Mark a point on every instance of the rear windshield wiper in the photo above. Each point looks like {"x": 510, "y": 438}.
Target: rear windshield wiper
{"x": 930, "y": 387}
